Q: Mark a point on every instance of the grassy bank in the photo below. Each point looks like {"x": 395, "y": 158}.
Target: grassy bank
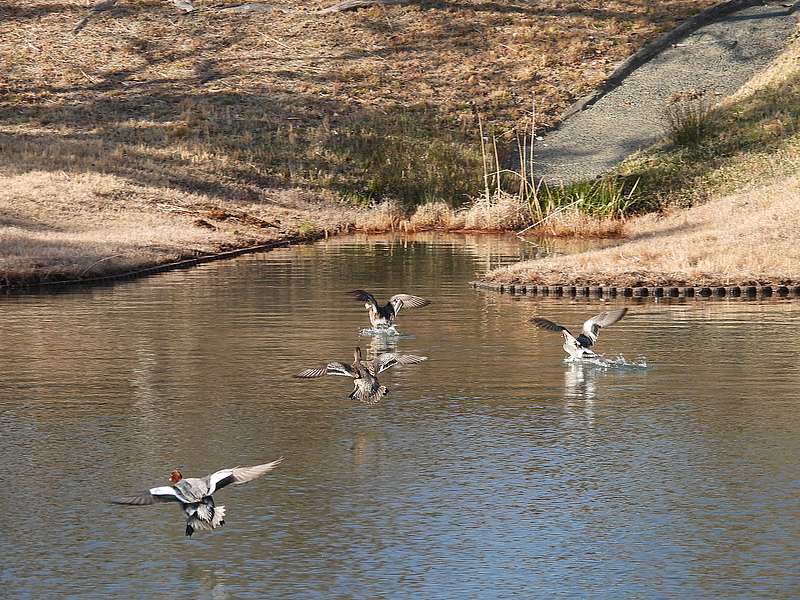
{"x": 736, "y": 166}
{"x": 153, "y": 135}
{"x": 373, "y": 103}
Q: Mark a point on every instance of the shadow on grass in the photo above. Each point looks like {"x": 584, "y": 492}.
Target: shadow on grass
{"x": 186, "y": 134}
{"x": 191, "y": 111}
{"x": 761, "y": 124}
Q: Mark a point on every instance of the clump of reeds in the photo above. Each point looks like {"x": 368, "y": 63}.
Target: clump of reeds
{"x": 688, "y": 121}
{"x": 434, "y": 215}
{"x": 385, "y": 216}
{"x": 502, "y": 211}
{"x": 516, "y": 200}
{"x": 611, "y": 196}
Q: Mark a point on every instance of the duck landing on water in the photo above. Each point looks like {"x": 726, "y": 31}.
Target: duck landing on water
{"x": 382, "y": 317}
{"x": 579, "y": 347}
{"x": 194, "y": 494}
{"x": 366, "y": 386}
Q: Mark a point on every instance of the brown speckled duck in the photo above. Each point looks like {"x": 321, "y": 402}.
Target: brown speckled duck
{"x": 366, "y": 386}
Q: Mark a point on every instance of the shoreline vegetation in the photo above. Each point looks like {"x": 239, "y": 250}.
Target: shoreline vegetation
{"x": 148, "y": 138}
{"x": 151, "y": 136}
{"x": 727, "y": 188}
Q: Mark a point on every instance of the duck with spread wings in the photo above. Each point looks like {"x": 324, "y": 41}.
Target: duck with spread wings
{"x": 382, "y": 317}
{"x": 580, "y": 346}
{"x": 364, "y": 373}
{"x": 194, "y": 494}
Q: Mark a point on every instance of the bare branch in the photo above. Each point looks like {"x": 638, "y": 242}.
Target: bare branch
{"x": 97, "y": 8}
{"x": 356, "y": 4}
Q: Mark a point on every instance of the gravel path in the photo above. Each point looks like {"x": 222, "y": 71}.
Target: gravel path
{"x": 717, "y": 58}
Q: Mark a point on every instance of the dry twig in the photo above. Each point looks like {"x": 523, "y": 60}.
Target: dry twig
{"x": 356, "y": 4}
{"x": 101, "y": 6}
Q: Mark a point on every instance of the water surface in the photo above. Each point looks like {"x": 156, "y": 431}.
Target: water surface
{"x": 492, "y": 470}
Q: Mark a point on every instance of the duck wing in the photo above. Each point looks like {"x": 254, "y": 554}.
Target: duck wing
{"x": 547, "y": 325}
{"x": 399, "y": 301}
{"x": 592, "y": 327}
{"x": 387, "y": 360}
{"x": 154, "y": 495}
{"x": 239, "y": 475}
{"x": 332, "y": 368}
{"x": 364, "y": 297}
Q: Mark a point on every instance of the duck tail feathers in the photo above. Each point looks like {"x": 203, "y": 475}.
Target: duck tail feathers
{"x": 378, "y": 394}
{"x": 205, "y": 520}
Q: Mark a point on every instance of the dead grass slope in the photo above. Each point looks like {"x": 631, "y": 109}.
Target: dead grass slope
{"x": 745, "y": 239}
{"x": 120, "y": 146}
{"x": 57, "y": 226}
{"x": 371, "y": 103}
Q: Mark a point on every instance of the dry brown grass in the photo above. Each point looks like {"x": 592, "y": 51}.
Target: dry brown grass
{"x": 56, "y": 226}
{"x": 433, "y": 215}
{"x": 498, "y": 212}
{"x": 576, "y": 223}
{"x": 228, "y": 103}
{"x": 746, "y": 239}
{"x": 386, "y": 216}
{"x": 158, "y": 121}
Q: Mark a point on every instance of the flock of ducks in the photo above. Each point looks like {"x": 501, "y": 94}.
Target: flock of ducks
{"x": 195, "y": 494}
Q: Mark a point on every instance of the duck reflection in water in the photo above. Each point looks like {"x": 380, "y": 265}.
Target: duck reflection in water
{"x": 580, "y": 391}
{"x": 381, "y": 344}
{"x": 579, "y": 381}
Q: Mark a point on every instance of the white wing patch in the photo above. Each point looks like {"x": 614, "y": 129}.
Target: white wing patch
{"x": 215, "y": 478}
{"x": 167, "y": 490}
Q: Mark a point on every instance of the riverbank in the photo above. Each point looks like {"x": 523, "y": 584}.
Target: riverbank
{"x": 743, "y": 240}
{"x": 151, "y": 136}
{"x": 738, "y": 174}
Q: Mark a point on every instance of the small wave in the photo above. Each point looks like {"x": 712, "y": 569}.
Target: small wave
{"x": 619, "y": 362}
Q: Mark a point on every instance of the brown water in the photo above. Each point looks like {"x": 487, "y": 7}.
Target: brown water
{"x": 492, "y": 470}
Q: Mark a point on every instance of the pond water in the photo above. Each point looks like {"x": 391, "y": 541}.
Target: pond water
{"x": 493, "y": 470}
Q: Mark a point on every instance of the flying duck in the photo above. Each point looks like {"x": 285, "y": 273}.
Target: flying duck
{"x": 366, "y": 386}
{"x": 578, "y": 347}
{"x": 383, "y": 316}
{"x": 194, "y": 494}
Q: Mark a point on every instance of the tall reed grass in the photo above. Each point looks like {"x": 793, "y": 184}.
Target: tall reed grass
{"x": 516, "y": 200}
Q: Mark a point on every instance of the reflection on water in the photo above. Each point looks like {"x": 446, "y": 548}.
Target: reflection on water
{"x": 495, "y": 469}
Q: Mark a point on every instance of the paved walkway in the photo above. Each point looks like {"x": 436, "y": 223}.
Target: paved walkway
{"x": 717, "y": 58}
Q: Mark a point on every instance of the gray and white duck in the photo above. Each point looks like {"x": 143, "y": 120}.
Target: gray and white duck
{"x": 366, "y": 387}
{"x": 382, "y": 317}
{"x": 580, "y": 346}
{"x": 194, "y": 494}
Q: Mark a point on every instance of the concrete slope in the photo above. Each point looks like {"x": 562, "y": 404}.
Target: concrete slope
{"x": 717, "y": 58}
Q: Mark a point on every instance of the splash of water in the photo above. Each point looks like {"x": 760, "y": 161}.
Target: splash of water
{"x": 620, "y": 362}
{"x": 380, "y": 331}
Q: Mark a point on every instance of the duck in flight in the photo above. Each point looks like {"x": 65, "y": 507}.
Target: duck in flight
{"x": 194, "y": 494}
{"x": 382, "y": 317}
{"x": 579, "y": 347}
{"x": 366, "y": 386}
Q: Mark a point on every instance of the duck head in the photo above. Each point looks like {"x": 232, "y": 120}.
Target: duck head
{"x": 175, "y": 476}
